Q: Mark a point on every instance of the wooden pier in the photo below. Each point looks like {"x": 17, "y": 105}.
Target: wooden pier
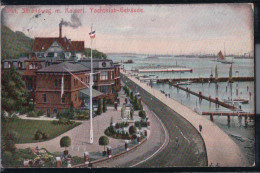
{"x": 206, "y": 80}
{"x": 201, "y": 96}
{"x": 229, "y": 114}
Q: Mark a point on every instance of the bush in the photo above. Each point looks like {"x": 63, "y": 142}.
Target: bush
{"x": 132, "y": 130}
{"x": 121, "y": 125}
{"x": 44, "y": 136}
{"x": 143, "y": 123}
{"x": 65, "y": 141}
{"x": 32, "y": 114}
{"x": 103, "y": 140}
{"x": 40, "y": 113}
{"x": 142, "y": 114}
{"x": 38, "y": 135}
{"x": 7, "y": 157}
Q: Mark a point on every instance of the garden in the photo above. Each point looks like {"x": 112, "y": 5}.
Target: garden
{"x": 122, "y": 130}
{"x": 36, "y": 157}
{"x": 28, "y": 131}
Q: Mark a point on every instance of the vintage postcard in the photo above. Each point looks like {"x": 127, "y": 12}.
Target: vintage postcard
{"x": 122, "y": 86}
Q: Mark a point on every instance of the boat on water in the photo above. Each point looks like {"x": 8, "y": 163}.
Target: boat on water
{"x": 236, "y": 100}
{"x": 184, "y": 83}
{"x": 223, "y": 59}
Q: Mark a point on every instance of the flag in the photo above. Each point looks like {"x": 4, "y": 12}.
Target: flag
{"x": 62, "y": 86}
{"x": 92, "y": 34}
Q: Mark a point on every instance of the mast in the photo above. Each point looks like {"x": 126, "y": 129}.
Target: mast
{"x": 90, "y": 89}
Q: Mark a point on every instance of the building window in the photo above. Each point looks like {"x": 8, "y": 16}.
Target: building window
{"x": 56, "y": 83}
{"x": 104, "y": 75}
{"x": 63, "y": 98}
{"x": 104, "y": 89}
{"x": 44, "y": 98}
{"x": 112, "y": 74}
{"x": 42, "y": 54}
{"x": 112, "y": 89}
{"x": 95, "y": 77}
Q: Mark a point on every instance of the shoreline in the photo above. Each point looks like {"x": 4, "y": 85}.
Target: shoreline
{"x": 221, "y": 149}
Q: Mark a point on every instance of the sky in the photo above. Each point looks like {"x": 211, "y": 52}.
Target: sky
{"x": 158, "y": 29}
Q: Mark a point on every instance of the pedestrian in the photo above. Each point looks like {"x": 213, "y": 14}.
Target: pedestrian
{"x": 211, "y": 164}
{"x": 177, "y": 142}
{"x": 200, "y": 127}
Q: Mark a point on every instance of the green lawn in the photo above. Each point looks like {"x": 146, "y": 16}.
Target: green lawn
{"x": 26, "y": 129}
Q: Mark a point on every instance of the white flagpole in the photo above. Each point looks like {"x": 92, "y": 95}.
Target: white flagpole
{"x": 62, "y": 86}
{"x": 91, "y": 84}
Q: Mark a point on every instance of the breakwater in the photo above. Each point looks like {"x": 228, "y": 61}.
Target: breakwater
{"x": 205, "y": 80}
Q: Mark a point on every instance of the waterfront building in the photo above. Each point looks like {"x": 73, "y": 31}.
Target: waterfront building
{"x": 49, "y": 96}
{"x": 58, "y": 47}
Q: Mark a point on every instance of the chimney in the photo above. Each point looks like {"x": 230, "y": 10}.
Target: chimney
{"x": 60, "y": 30}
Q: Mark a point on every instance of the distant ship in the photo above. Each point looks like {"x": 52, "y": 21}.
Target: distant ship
{"x": 152, "y": 57}
{"x": 223, "y": 59}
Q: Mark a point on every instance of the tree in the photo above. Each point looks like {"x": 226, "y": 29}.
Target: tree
{"x": 13, "y": 92}
{"x": 9, "y": 140}
{"x": 99, "y": 110}
{"x": 142, "y": 114}
{"x": 103, "y": 140}
{"x": 104, "y": 105}
{"x": 132, "y": 112}
{"x": 132, "y": 130}
{"x": 65, "y": 141}
{"x": 131, "y": 95}
{"x": 111, "y": 122}
{"x": 123, "y": 111}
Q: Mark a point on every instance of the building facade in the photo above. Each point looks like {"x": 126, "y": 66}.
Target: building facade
{"x": 49, "y": 87}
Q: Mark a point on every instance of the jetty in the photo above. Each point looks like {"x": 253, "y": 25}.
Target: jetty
{"x": 177, "y": 68}
{"x": 220, "y": 148}
{"x": 208, "y": 98}
{"x": 229, "y": 114}
{"x": 206, "y": 80}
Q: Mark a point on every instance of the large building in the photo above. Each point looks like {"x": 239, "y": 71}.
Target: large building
{"x": 58, "y": 48}
{"x": 49, "y": 96}
{"x": 57, "y": 57}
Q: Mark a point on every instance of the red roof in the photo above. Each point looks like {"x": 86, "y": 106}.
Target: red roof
{"x": 43, "y": 43}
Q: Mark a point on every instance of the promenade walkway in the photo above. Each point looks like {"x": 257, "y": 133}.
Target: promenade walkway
{"x": 80, "y": 137}
{"x": 220, "y": 148}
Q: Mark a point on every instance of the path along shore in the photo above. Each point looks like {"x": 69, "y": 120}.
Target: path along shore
{"x": 220, "y": 148}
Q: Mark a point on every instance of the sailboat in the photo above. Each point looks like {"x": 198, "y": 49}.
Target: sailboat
{"x": 223, "y": 59}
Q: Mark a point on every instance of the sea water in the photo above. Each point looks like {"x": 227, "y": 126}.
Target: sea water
{"x": 243, "y": 135}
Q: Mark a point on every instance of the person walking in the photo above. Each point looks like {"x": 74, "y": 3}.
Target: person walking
{"x": 177, "y": 142}
{"x": 200, "y": 127}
